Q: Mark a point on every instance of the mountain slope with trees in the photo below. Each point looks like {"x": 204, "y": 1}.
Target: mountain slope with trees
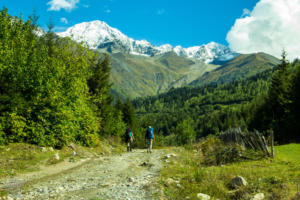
{"x": 241, "y": 67}
{"x": 52, "y": 90}
{"x": 267, "y": 101}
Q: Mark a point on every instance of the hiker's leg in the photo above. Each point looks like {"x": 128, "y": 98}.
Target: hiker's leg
{"x": 131, "y": 144}
{"x": 128, "y": 146}
{"x": 150, "y": 146}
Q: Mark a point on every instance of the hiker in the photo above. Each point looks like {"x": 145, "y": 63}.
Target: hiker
{"x": 129, "y": 137}
{"x": 149, "y": 138}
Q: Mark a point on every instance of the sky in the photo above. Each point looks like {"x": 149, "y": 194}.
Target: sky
{"x": 246, "y": 26}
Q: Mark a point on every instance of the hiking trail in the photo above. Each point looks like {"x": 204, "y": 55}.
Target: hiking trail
{"x": 130, "y": 176}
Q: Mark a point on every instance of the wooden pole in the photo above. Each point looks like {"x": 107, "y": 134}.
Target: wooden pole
{"x": 272, "y": 144}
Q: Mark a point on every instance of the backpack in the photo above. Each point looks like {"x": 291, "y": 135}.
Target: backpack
{"x": 128, "y": 134}
{"x": 149, "y": 133}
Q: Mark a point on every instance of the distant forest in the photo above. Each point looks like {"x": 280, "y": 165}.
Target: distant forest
{"x": 268, "y": 101}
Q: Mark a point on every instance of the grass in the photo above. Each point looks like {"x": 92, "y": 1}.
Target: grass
{"x": 21, "y": 158}
{"x": 277, "y": 178}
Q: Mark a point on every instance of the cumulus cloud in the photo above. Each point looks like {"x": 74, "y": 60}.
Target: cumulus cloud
{"x": 272, "y": 26}
{"x": 57, "y": 5}
{"x": 64, "y": 20}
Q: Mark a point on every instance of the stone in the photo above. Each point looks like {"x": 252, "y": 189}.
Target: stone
{"x": 43, "y": 149}
{"x": 72, "y": 146}
{"x": 56, "y": 156}
{"x": 169, "y": 182}
{"x": 74, "y": 153}
{"x": 7, "y": 198}
{"x": 51, "y": 149}
{"x": 202, "y": 196}
{"x": 130, "y": 179}
{"x": 238, "y": 181}
{"x": 259, "y": 196}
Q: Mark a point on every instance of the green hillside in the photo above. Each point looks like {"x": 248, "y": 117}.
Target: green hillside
{"x": 243, "y": 66}
{"x": 139, "y": 76}
{"x": 136, "y": 76}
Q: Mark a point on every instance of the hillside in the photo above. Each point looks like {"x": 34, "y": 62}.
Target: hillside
{"x": 241, "y": 67}
{"x": 139, "y": 76}
{"x": 135, "y": 76}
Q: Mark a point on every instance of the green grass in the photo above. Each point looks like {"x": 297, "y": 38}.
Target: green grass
{"x": 290, "y": 152}
{"x": 21, "y": 158}
{"x": 277, "y": 178}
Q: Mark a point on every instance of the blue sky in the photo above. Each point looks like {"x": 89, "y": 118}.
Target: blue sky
{"x": 177, "y": 22}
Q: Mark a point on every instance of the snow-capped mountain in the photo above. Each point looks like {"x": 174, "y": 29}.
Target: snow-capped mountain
{"x": 98, "y": 35}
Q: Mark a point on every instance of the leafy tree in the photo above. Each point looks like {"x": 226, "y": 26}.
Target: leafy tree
{"x": 185, "y": 132}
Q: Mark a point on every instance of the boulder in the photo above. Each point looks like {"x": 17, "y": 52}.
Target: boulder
{"x": 238, "y": 181}
{"x": 170, "y": 155}
{"x": 51, "y": 149}
{"x": 56, "y": 156}
{"x": 43, "y": 149}
{"x": 169, "y": 182}
{"x": 259, "y": 196}
{"x": 202, "y": 196}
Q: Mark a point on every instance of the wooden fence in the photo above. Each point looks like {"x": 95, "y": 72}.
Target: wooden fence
{"x": 250, "y": 140}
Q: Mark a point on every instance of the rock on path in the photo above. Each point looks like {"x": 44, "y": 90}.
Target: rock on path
{"x": 124, "y": 176}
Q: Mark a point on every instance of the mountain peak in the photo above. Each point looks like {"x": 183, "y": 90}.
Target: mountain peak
{"x": 99, "y": 35}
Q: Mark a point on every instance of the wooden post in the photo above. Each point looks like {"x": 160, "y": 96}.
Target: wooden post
{"x": 272, "y": 144}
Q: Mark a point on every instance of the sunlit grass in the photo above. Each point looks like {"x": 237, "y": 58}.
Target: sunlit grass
{"x": 277, "y": 178}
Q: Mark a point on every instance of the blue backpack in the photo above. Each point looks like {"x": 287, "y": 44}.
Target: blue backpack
{"x": 149, "y": 133}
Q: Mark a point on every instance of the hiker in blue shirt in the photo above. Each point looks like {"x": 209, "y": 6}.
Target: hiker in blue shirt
{"x": 129, "y": 138}
{"x": 149, "y": 136}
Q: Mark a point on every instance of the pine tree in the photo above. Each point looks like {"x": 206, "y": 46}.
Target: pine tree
{"x": 278, "y": 100}
{"x": 129, "y": 114}
{"x": 295, "y": 105}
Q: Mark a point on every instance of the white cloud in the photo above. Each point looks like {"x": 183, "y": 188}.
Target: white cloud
{"x": 64, "y": 20}
{"x": 272, "y": 26}
{"x": 56, "y": 5}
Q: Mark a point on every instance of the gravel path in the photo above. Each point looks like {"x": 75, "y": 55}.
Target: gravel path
{"x": 127, "y": 176}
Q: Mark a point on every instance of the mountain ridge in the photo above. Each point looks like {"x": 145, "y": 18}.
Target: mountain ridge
{"x": 99, "y": 35}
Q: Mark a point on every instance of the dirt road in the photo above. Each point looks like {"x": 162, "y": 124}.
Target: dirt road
{"x": 127, "y": 176}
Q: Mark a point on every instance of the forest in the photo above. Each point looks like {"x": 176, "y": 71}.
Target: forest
{"x": 53, "y": 91}
{"x": 268, "y": 101}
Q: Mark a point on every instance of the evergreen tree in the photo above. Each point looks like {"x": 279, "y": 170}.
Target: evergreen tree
{"x": 129, "y": 114}
{"x": 295, "y": 105}
{"x": 278, "y": 100}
